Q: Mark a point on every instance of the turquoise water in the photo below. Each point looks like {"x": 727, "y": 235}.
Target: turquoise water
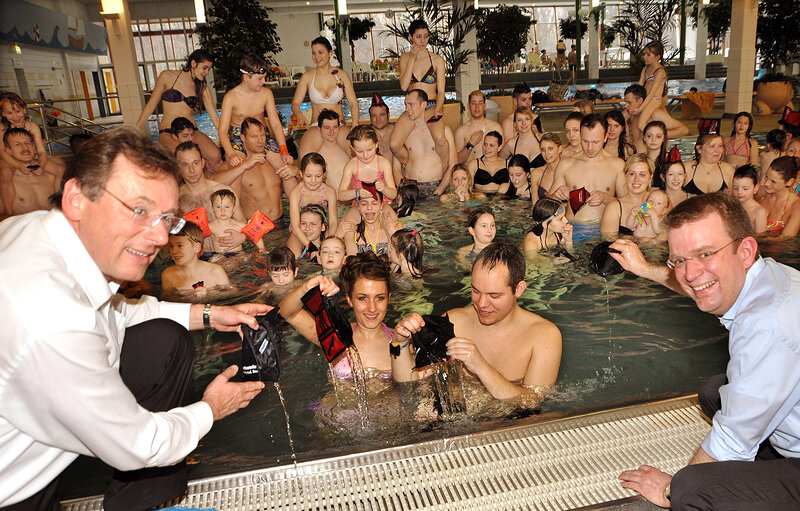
{"x": 625, "y": 340}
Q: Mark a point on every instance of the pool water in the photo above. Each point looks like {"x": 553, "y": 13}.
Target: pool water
{"x": 625, "y": 340}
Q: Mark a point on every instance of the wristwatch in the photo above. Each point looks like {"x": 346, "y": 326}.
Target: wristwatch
{"x": 207, "y": 315}
{"x": 469, "y": 145}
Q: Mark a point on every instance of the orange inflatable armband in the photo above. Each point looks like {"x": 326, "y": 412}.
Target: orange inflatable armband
{"x": 258, "y": 226}
{"x": 199, "y": 217}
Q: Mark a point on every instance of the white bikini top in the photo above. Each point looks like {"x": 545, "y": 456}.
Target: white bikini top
{"x": 317, "y": 98}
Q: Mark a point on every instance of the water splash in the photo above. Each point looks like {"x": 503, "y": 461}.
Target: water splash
{"x": 288, "y": 425}
{"x": 360, "y": 381}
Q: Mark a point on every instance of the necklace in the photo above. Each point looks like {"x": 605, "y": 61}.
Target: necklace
{"x": 369, "y": 238}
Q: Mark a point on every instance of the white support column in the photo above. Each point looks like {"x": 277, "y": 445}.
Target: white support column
{"x": 702, "y": 45}
{"x": 594, "y": 47}
{"x": 742, "y": 56}
{"x": 123, "y": 57}
{"x": 468, "y": 76}
{"x": 344, "y": 40}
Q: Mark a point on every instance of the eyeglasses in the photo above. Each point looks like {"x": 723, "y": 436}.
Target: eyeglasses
{"x": 680, "y": 262}
{"x": 141, "y": 216}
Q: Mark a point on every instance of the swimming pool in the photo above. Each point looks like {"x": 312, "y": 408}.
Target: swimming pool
{"x": 625, "y": 341}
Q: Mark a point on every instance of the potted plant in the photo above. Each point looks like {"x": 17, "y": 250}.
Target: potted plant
{"x": 642, "y": 21}
{"x": 502, "y": 34}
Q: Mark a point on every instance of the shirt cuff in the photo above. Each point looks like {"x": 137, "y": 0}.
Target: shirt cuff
{"x": 205, "y": 417}
{"x": 177, "y": 312}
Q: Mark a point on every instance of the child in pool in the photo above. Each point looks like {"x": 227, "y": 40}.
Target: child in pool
{"x": 745, "y": 186}
{"x": 331, "y": 255}
{"x": 482, "y": 228}
{"x": 312, "y": 190}
{"x": 313, "y": 225}
{"x": 190, "y": 275}
{"x": 519, "y": 186}
{"x": 223, "y": 202}
{"x": 282, "y": 266}
{"x": 368, "y": 166}
{"x": 550, "y": 228}
{"x": 645, "y": 220}
{"x": 405, "y": 253}
{"x": 461, "y": 186}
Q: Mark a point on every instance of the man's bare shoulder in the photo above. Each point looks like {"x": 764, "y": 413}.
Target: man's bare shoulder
{"x": 493, "y": 126}
{"x": 461, "y": 314}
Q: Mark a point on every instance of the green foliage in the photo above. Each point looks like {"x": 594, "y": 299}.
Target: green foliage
{"x": 502, "y": 33}
{"x": 567, "y": 27}
{"x": 236, "y": 27}
{"x": 607, "y": 36}
{"x": 448, "y": 29}
{"x": 777, "y": 36}
{"x": 718, "y": 15}
{"x": 642, "y": 21}
{"x": 358, "y": 28}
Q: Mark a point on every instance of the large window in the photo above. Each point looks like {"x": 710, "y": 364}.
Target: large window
{"x": 162, "y": 44}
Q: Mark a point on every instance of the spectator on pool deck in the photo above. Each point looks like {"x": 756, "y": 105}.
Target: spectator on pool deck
{"x": 469, "y": 136}
{"x": 751, "y": 457}
{"x": 22, "y": 191}
{"x": 493, "y": 335}
{"x": 335, "y": 157}
{"x": 86, "y": 371}
{"x": 520, "y": 97}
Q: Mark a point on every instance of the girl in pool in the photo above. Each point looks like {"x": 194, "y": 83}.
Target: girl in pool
{"x": 550, "y": 228}
{"x": 708, "y": 173}
{"x": 740, "y": 149}
{"x": 370, "y": 234}
{"x": 551, "y": 152}
{"x": 489, "y": 171}
{"x": 405, "y": 253}
{"x": 482, "y": 228}
{"x": 673, "y": 178}
{"x": 368, "y": 167}
{"x": 773, "y": 148}
{"x": 654, "y": 80}
{"x": 782, "y": 205}
{"x": 525, "y": 142}
{"x": 331, "y": 255}
{"x": 656, "y": 145}
{"x": 645, "y": 219}
{"x": 638, "y": 176}
{"x": 461, "y": 186}
{"x": 518, "y": 175}
{"x": 313, "y": 226}
{"x": 312, "y": 190}
{"x": 13, "y": 114}
{"x": 617, "y": 142}
{"x": 326, "y": 87}
{"x": 183, "y": 92}
{"x": 366, "y": 284}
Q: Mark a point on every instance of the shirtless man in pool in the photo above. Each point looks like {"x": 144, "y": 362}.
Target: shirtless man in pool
{"x": 469, "y": 136}
{"x": 594, "y": 169}
{"x": 330, "y": 150}
{"x": 424, "y": 164}
{"x": 495, "y": 337}
{"x": 22, "y": 191}
{"x": 634, "y": 97}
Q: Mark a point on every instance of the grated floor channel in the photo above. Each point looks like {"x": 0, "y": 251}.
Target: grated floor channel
{"x": 563, "y": 464}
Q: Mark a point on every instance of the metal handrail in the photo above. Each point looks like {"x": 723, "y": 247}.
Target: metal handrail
{"x": 81, "y": 122}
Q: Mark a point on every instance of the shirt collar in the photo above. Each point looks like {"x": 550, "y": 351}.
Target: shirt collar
{"x": 77, "y": 260}
{"x": 750, "y": 277}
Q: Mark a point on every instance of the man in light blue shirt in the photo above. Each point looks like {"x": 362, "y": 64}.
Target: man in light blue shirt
{"x": 755, "y": 407}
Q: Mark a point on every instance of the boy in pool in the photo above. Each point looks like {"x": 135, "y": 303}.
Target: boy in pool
{"x": 744, "y": 187}
{"x": 223, "y": 202}
{"x": 190, "y": 274}
{"x": 282, "y": 266}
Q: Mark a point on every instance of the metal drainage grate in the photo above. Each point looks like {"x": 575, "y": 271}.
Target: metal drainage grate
{"x": 563, "y": 464}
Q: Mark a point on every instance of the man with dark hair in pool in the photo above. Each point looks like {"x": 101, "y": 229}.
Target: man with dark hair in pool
{"x": 335, "y": 155}
{"x": 634, "y": 98}
{"x": 469, "y": 136}
{"x": 520, "y": 96}
{"x": 751, "y": 457}
{"x": 24, "y": 187}
{"x": 515, "y": 353}
{"x": 589, "y": 179}
{"x": 255, "y": 181}
{"x": 85, "y": 370}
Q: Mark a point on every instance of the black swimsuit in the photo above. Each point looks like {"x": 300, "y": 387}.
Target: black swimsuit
{"x": 430, "y": 75}
{"x": 624, "y": 230}
{"x": 692, "y": 188}
{"x": 483, "y": 177}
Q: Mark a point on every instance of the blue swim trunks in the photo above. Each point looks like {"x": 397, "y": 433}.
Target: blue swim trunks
{"x": 581, "y": 232}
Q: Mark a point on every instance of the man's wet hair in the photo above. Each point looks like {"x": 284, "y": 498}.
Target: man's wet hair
{"x": 16, "y": 131}
{"x": 328, "y": 115}
{"x": 188, "y": 146}
{"x": 746, "y": 171}
{"x": 637, "y": 90}
{"x": 250, "y": 121}
{"x": 281, "y": 258}
{"x": 506, "y": 254}
{"x": 93, "y": 166}
{"x": 421, "y": 95}
{"x": 591, "y": 121}
{"x": 776, "y": 138}
{"x": 520, "y": 89}
{"x": 382, "y": 105}
{"x": 734, "y": 217}
{"x": 573, "y": 116}
{"x": 179, "y": 124}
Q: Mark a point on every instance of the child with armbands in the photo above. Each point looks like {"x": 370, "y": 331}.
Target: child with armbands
{"x": 223, "y": 202}
{"x": 190, "y": 275}
{"x": 645, "y": 220}
{"x": 745, "y": 186}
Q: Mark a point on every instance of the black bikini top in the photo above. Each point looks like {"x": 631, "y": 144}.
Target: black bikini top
{"x": 624, "y": 230}
{"x": 430, "y": 75}
{"x": 692, "y": 188}
{"x": 482, "y": 176}
{"x": 173, "y": 95}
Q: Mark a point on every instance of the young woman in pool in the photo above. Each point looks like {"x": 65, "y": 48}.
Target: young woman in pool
{"x": 489, "y": 171}
{"x": 519, "y": 186}
{"x": 617, "y": 142}
{"x": 525, "y": 142}
{"x": 542, "y": 177}
{"x": 550, "y": 227}
{"x": 783, "y": 206}
{"x": 370, "y": 234}
{"x": 405, "y": 253}
{"x": 482, "y": 228}
{"x": 183, "y": 92}
{"x": 366, "y": 284}
{"x": 312, "y": 190}
{"x": 708, "y": 173}
{"x": 740, "y": 149}
{"x": 461, "y": 186}
{"x": 326, "y": 87}
{"x": 13, "y": 114}
{"x": 656, "y": 143}
{"x": 673, "y": 179}
{"x": 773, "y": 148}
{"x": 638, "y": 176}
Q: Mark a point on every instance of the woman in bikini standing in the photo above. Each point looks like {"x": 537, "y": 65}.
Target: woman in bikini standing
{"x": 740, "y": 149}
{"x": 708, "y": 173}
{"x": 326, "y": 87}
{"x": 783, "y": 206}
{"x": 183, "y": 92}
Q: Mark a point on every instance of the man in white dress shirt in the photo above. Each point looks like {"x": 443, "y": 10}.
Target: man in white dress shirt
{"x": 69, "y": 385}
